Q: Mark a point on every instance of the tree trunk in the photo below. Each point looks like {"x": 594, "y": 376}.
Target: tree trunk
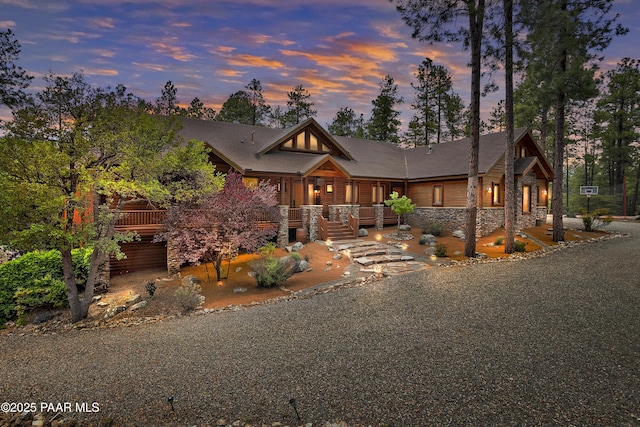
{"x": 509, "y": 179}
{"x": 476, "y": 16}
{"x": 558, "y": 158}
{"x": 70, "y": 284}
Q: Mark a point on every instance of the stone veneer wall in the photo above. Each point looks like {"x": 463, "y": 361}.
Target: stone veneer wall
{"x": 310, "y": 220}
{"x": 341, "y": 212}
{"x": 283, "y": 226}
{"x": 527, "y": 220}
{"x": 378, "y": 212}
{"x": 173, "y": 265}
{"x": 488, "y": 219}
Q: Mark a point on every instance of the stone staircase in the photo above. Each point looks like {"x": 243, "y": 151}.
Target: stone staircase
{"x": 337, "y": 231}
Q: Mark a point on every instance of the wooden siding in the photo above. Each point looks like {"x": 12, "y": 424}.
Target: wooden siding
{"x": 141, "y": 255}
{"x": 454, "y": 193}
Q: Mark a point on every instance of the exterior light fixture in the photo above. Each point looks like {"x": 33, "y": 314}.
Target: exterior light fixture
{"x": 489, "y": 190}
{"x": 378, "y": 237}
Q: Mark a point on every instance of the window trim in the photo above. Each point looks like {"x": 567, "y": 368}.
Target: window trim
{"x": 438, "y": 188}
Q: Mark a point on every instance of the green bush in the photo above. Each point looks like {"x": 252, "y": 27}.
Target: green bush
{"x": 189, "y": 297}
{"x": 434, "y": 228}
{"x": 519, "y": 246}
{"x": 441, "y": 250}
{"x": 597, "y": 219}
{"x": 269, "y": 271}
{"x": 498, "y": 241}
{"x": 36, "y": 280}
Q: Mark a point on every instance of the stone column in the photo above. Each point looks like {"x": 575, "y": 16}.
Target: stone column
{"x": 283, "y": 226}
{"x": 312, "y": 212}
{"x": 173, "y": 264}
{"x": 104, "y": 275}
{"x": 379, "y": 215}
{"x": 334, "y": 213}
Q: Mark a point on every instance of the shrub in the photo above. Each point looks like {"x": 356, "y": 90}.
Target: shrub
{"x": 519, "y": 246}
{"x": 150, "y": 287}
{"x": 498, "y": 241}
{"x": 269, "y": 271}
{"x": 35, "y": 280}
{"x": 441, "y": 250}
{"x": 434, "y": 228}
{"x": 188, "y": 296}
{"x": 599, "y": 218}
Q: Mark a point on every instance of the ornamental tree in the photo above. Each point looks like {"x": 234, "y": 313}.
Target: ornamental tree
{"x": 399, "y": 206}
{"x": 218, "y": 225}
{"x": 70, "y": 160}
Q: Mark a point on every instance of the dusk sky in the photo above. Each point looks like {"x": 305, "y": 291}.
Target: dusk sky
{"x": 338, "y": 50}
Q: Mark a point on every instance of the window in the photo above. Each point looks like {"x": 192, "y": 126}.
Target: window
{"x": 313, "y": 142}
{"x": 329, "y": 188}
{"x": 250, "y": 182}
{"x": 523, "y": 152}
{"x": 348, "y": 193}
{"x": 288, "y": 144}
{"x": 300, "y": 141}
{"x": 526, "y": 199}
{"x": 495, "y": 194}
{"x": 437, "y": 195}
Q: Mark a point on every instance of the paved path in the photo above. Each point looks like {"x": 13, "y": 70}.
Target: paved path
{"x": 543, "y": 341}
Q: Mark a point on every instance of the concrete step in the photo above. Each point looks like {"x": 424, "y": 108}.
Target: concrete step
{"x": 381, "y": 259}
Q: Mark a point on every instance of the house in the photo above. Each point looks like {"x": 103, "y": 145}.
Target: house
{"x": 324, "y": 179}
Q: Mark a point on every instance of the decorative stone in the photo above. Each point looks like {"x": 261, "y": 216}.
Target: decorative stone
{"x": 297, "y": 246}
{"x": 96, "y": 298}
{"x": 459, "y": 234}
{"x": 427, "y": 239}
{"x": 190, "y": 280}
{"x": 134, "y": 299}
{"x": 363, "y": 232}
{"x": 430, "y": 251}
{"x": 239, "y": 290}
{"x": 337, "y": 256}
{"x": 113, "y": 311}
{"x": 42, "y": 317}
{"x": 303, "y": 265}
{"x": 238, "y": 269}
{"x": 102, "y": 304}
{"x": 140, "y": 305}
{"x": 481, "y": 255}
{"x": 404, "y": 227}
{"x": 329, "y": 263}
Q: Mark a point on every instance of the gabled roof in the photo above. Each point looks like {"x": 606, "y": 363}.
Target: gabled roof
{"x": 309, "y": 123}
{"x": 451, "y": 159}
{"x": 255, "y": 149}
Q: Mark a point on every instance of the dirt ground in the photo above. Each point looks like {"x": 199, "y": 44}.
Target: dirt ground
{"x": 237, "y": 288}
{"x": 225, "y": 292}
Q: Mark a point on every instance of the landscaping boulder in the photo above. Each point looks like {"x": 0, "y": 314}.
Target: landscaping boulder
{"x": 42, "y": 317}
{"x": 427, "y": 239}
{"x": 113, "y": 311}
{"x": 459, "y": 234}
{"x": 190, "y": 280}
{"x": 297, "y": 246}
{"x": 133, "y": 300}
{"x": 363, "y": 232}
{"x": 303, "y": 265}
{"x": 404, "y": 227}
{"x": 140, "y": 305}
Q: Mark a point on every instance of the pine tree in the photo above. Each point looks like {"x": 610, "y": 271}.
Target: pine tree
{"x": 384, "y": 123}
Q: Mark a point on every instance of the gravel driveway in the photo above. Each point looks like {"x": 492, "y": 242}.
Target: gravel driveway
{"x": 543, "y": 341}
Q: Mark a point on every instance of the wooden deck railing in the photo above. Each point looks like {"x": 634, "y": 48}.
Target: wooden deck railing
{"x": 323, "y": 227}
{"x": 141, "y": 218}
{"x": 367, "y": 215}
{"x": 353, "y": 225}
{"x": 295, "y": 217}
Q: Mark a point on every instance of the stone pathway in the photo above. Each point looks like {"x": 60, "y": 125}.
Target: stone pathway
{"x": 375, "y": 257}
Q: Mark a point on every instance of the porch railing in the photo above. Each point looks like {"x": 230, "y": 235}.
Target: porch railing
{"x": 295, "y": 217}
{"x": 353, "y": 225}
{"x": 389, "y": 216}
{"x": 367, "y": 215}
{"x": 141, "y": 218}
{"x": 323, "y": 227}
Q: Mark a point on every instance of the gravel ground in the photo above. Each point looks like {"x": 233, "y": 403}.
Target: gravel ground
{"x": 543, "y": 341}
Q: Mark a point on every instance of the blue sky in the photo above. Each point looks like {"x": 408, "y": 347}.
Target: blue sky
{"x": 338, "y": 50}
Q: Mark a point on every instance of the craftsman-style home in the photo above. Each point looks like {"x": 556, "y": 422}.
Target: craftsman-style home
{"x": 329, "y": 186}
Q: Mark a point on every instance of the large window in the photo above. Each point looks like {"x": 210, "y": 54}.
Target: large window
{"x": 437, "y": 195}
{"x": 495, "y": 194}
{"x": 305, "y": 141}
{"x": 526, "y": 199}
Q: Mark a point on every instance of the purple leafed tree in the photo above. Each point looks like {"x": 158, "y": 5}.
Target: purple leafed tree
{"x": 215, "y": 227}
